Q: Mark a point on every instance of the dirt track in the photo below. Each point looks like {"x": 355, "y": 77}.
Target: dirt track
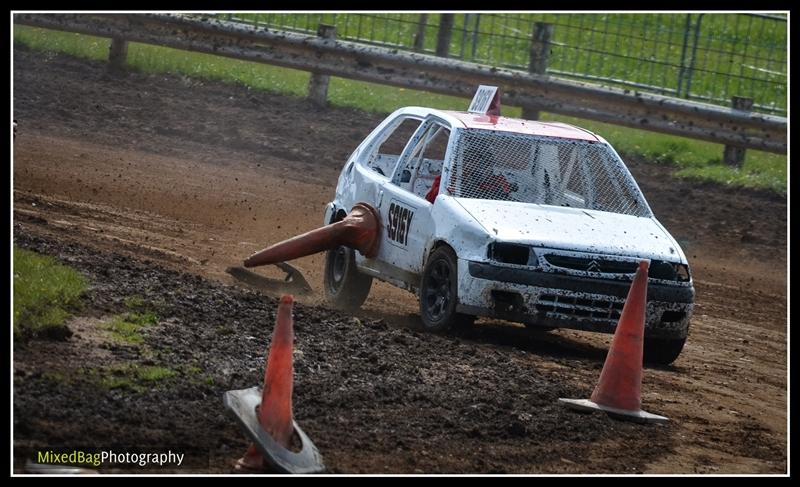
{"x": 193, "y": 176}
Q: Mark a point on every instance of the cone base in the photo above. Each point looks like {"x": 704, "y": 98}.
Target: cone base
{"x": 640, "y": 416}
{"x": 242, "y": 403}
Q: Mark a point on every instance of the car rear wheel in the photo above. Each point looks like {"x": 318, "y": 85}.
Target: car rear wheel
{"x": 662, "y": 351}
{"x": 345, "y": 288}
{"x": 438, "y": 295}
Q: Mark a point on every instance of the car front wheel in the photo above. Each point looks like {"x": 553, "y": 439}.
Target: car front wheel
{"x": 345, "y": 287}
{"x": 438, "y": 294}
{"x": 662, "y": 351}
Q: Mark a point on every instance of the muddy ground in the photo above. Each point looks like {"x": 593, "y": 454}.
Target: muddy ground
{"x": 153, "y": 185}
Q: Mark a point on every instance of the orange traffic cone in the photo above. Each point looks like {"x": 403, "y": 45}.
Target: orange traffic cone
{"x": 358, "y": 230}
{"x": 618, "y": 392}
{"x": 266, "y": 415}
{"x": 275, "y": 414}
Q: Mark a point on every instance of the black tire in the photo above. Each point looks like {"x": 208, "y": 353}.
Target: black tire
{"x": 662, "y": 351}
{"x": 438, "y": 294}
{"x": 345, "y": 288}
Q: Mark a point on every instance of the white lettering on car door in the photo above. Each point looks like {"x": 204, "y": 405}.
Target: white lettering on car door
{"x": 399, "y": 220}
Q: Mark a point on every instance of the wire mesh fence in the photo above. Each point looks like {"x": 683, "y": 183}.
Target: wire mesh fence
{"x": 701, "y": 56}
{"x": 547, "y": 171}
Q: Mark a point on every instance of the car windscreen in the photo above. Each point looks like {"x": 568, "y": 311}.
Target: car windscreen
{"x": 542, "y": 170}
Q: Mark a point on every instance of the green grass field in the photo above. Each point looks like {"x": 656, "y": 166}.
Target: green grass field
{"x": 45, "y": 292}
{"x": 695, "y": 159}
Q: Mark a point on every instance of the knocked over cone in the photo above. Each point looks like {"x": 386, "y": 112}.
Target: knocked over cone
{"x": 293, "y": 283}
{"x": 358, "y": 230}
{"x": 266, "y": 415}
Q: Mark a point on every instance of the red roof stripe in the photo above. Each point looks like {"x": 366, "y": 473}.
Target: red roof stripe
{"x": 519, "y": 126}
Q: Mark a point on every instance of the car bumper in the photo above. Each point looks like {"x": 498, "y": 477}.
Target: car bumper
{"x": 563, "y": 301}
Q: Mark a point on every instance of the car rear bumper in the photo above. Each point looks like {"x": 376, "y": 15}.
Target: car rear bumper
{"x": 563, "y": 301}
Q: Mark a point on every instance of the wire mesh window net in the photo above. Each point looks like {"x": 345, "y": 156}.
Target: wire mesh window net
{"x": 548, "y": 171}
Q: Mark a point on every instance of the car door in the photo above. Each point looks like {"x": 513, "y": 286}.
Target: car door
{"x": 405, "y": 212}
{"x": 374, "y": 161}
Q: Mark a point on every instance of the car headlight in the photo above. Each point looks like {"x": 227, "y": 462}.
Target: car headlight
{"x": 511, "y": 253}
{"x": 682, "y": 270}
{"x": 668, "y": 271}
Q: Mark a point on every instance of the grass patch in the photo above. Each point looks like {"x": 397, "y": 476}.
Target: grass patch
{"x": 748, "y": 176}
{"x": 53, "y": 41}
{"x": 195, "y": 375}
{"x": 135, "y": 303}
{"x": 132, "y": 377}
{"x": 194, "y": 370}
{"x": 155, "y": 59}
{"x": 151, "y": 374}
{"x": 45, "y": 293}
{"x": 695, "y": 159}
{"x": 126, "y": 327}
{"x": 55, "y": 377}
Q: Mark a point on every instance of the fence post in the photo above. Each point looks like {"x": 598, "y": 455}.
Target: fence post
{"x": 419, "y": 38}
{"x": 693, "y": 59}
{"x": 540, "y": 56}
{"x": 318, "y": 83}
{"x": 467, "y": 18}
{"x": 475, "y": 31}
{"x": 682, "y": 65}
{"x": 445, "y": 32}
{"x": 734, "y": 156}
{"x": 117, "y": 54}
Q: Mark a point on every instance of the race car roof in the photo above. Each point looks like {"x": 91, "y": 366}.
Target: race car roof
{"x": 519, "y": 126}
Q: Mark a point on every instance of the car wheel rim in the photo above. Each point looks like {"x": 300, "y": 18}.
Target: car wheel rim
{"x": 338, "y": 267}
{"x": 437, "y": 290}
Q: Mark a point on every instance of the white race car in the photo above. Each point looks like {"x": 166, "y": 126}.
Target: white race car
{"x": 532, "y": 222}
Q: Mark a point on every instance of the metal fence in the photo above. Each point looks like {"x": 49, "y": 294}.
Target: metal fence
{"x": 700, "y": 56}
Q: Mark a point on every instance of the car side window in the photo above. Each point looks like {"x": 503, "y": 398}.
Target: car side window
{"x": 385, "y": 153}
{"x": 424, "y": 162}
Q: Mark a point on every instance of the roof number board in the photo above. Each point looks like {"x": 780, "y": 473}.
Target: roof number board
{"x": 482, "y": 101}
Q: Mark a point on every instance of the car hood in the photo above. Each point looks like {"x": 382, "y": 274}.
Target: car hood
{"x": 574, "y": 229}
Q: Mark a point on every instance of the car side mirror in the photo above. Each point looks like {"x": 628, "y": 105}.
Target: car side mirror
{"x": 405, "y": 176}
